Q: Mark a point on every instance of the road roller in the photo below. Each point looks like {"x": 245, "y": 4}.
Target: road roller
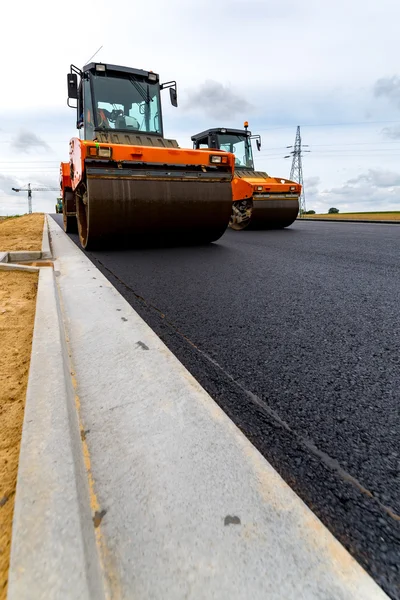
{"x": 258, "y": 200}
{"x": 125, "y": 182}
{"x": 59, "y": 206}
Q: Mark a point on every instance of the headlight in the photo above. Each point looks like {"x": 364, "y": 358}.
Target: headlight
{"x": 152, "y": 77}
{"x": 101, "y": 152}
{"x": 215, "y": 159}
{"x": 100, "y": 68}
{"x": 292, "y": 188}
{"x": 259, "y": 188}
{"x": 105, "y": 152}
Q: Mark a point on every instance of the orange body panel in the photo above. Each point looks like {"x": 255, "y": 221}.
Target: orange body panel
{"x": 79, "y": 151}
{"x": 65, "y": 178}
{"x": 243, "y": 188}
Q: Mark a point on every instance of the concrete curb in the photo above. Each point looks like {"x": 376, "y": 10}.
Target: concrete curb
{"x": 13, "y": 267}
{"x": 23, "y": 255}
{"x": 46, "y": 251}
{"x": 53, "y": 553}
{"x": 183, "y": 504}
{"x": 13, "y": 256}
{"x": 8, "y": 259}
{"x": 351, "y": 221}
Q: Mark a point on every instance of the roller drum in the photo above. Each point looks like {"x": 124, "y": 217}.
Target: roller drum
{"x": 273, "y": 214}
{"x": 118, "y": 210}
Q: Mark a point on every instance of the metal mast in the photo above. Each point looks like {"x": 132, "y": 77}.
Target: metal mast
{"x": 296, "y": 172}
{"x": 29, "y": 189}
{"x": 29, "y": 199}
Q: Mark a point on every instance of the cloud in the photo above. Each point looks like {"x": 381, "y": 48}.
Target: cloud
{"x": 392, "y": 132}
{"x": 373, "y": 190}
{"x": 311, "y": 184}
{"x": 12, "y": 203}
{"x": 27, "y": 140}
{"x": 389, "y": 87}
{"x": 216, "y": 100}
{"x": 377, "y": 178}
{"x": 7, "y": 182}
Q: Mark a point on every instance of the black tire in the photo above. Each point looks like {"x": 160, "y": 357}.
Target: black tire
{"x": 70, "y": 224}
{"x": 70, "y": 221}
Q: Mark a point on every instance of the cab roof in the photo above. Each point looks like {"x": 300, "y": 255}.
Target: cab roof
{"x": 116, "y": 68}
{"x": 221, "y": 130}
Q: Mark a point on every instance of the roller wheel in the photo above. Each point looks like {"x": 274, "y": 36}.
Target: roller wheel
{"x": 82, "y": 217}
{"x": 87, "y": 225}
{"x": 241, "y": 214}
{"x": 121, "y": 212}
{"x": 70, "y": 222}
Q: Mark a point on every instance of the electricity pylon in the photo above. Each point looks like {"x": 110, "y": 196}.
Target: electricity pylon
{"x": 296, "y": 172}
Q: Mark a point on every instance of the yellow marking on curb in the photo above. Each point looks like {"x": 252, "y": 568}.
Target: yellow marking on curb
{"x": 114, "y": 591}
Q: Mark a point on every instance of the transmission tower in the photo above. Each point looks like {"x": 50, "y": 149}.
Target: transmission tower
{"x": 296, "y": 172}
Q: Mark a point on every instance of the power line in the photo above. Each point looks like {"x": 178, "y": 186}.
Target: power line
{"x": 364, "y": 150}
{"x": 279, "y": 127}
{"x": 348, "y": 123}
{"x": 280, "y": 148}
{"x": 45, "y": 141}
{"x": 325, "y": 156}
{"x": 28, "y": 161}
{"x": 341, "y": 153}
{"x": 357, "y": 144}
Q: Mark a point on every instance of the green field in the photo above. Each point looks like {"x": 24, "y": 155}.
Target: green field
{"x": 367, "y": 216}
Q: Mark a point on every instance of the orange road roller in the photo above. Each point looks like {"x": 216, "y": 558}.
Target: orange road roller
{"x": 259, "y": 201}
{"x": 125, "y": 182}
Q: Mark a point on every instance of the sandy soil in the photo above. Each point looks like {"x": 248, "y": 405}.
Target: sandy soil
{"x": 22, "y": 233}
{"x": 17, "y": 311}
{"x": 371, "y": 216}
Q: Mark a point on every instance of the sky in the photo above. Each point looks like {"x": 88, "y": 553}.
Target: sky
{"x": 331, "y": 68}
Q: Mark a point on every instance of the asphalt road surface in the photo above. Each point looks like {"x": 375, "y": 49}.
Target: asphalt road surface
{"x": 296, "y": 335}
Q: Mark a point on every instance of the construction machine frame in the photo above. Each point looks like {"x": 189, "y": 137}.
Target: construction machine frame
{"x": 124, "y": 180}
{"x": 259, "y": 201}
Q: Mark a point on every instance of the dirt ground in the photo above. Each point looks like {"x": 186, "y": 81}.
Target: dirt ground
{"x": 17, "y": 312}
{"x": 367, "y": 216}
{"x": 22, "y": 233}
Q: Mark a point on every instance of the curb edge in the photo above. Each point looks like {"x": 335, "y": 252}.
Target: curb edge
{"x": 58, "y": 556}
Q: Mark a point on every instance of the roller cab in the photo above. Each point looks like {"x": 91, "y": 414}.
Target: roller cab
{"x": 259, "y": 201}
{"x": 125, "y": 181}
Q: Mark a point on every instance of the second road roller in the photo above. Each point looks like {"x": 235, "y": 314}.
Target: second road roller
{"x": 259, "y": 201}
{"x": 125, "y": 182}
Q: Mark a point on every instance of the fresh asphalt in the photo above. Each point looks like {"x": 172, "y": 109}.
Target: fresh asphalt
{"x": 295, "y": 334}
